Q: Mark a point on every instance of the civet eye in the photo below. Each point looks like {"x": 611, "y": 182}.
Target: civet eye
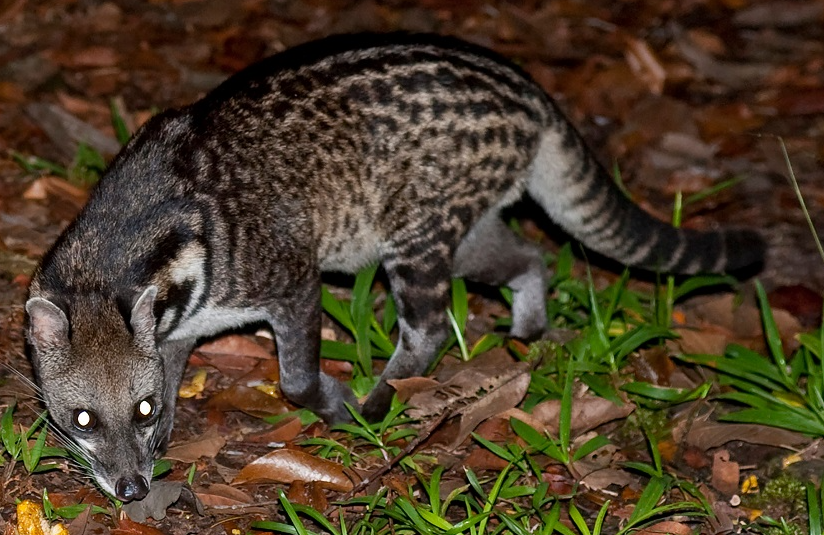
{"x": 144, "y": 410}
{"x": 84, "y": 420}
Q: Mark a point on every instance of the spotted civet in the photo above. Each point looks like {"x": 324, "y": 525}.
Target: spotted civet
{"x": 334, "y": 155}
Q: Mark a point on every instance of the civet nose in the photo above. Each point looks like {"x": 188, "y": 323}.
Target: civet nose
{"x": 131, "y": 488}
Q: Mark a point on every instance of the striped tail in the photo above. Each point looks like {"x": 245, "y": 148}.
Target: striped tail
{"x": 578, "y": 194}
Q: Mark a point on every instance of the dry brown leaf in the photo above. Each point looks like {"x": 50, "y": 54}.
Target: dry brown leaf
{"x": 588, "y": 412}
{"x": 801, "y": 102}
{"x": 643, "y": 62}
{"x": 66, "y": 131}
{"x": 237, "y": 345}
{"x": 236, "y": 356}
{"x": 406, "y": 388}
{"x": 249, "y": 400}
{"x": 286, "y": 466}
{"x": 471, "y": 381}
{"x": 56, "y": 186}
{"x": 802, "y": 302}
{"x": 130, "y": 527}
{"x": 91, "y": 57}
{"x": 667, "y": 527}
{"x": 307, "y": 493}
{"x": 725, "y": 473}
{"x": 505, "y": 396}
{"x": 206, "y": 445}
{"x": 607, "y": 477}
{"x": 483, "y": 459}
{"x": 779, "y": 14}
{"x": 219, "y": 495}
{"x": 733, "y": 75}
{"x": 707, "y": 435}
{"x": 284, "y": 432}
{"x": 704, "y": 341}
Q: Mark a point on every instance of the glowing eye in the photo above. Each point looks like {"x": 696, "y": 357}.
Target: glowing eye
{"x": 84, "y": 420}
{"x": 144, "y": 411}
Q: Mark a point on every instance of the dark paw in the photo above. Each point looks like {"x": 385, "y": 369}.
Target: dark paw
{"x": 378, "y": 403}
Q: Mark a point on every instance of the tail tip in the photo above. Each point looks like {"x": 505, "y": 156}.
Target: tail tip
{"x": 746, "y": 252}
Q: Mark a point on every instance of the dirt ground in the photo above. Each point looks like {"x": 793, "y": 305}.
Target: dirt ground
{"x": 679, "y": 95}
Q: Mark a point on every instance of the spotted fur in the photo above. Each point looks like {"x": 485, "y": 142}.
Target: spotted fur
{"x": 332, "y": 156}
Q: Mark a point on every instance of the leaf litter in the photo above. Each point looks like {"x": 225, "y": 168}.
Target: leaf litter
{"x": 680, "y": 105}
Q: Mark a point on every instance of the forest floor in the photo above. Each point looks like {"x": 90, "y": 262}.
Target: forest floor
{"x": 680, "y": 96}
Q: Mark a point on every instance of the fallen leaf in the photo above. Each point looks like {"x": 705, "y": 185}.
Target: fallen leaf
{"x": 779, "y": 14}
{"x": 725, "y": 473}
{"x": 588, "y": 412}
{"x": 219, "y": 495}
{"x": 249, "y": 400}
{"x": 406, "y": 388}
{"x": 607, "y": 477}
{"x": 483, "y": 459}
{"x": 505, "y": 396}
{"x": 127, "y": 526}
{"x": 287, "y": 465}
{"x": 194, "y": 387}
{"x": 707, "y": 435}
{"x": 235, "y": 344}
{"x": 643, "y": 62}
{"x": 67, "y": 131}
{"x": 803, "y": 303}
{"x": 703, "y": 341}
{"x": 55, "y": 186}
{"x": 206, "y": 445}
{"x": 667, "y": 527}
{"x": 307, "y": 493}
{"x": 470, "y": 381}
{"x": 731, "y": 74}
{"x": 284, "y": 432}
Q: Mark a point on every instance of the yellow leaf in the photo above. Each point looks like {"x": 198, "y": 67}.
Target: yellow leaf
{"x": 195, "y": 387}
{"x": 749, "y": 485}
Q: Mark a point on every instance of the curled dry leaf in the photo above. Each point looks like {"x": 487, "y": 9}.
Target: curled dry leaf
{"x": 249, "y": 400}
{"x": 53, "y": 186}
{"x": 286, "y": 466}
{"x": 284, "y": 432}
{"x": 219, "y": 495}
{"x": 667, "y": 527}
{"x": 130, "y": 527}
{"x": 588, "y": 412}
{"x": 194, "y": 387}
{"x": 206, "y": 445}
{"x": 707, "y": 435}
{"x": 643, "y": 62}
{"x": 308, "y": 493}
{"x": 474, "y": 380}
{"x": 725, "y": 473}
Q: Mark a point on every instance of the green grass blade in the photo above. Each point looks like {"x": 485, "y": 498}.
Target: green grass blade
{"x": 648, "y": 500}
{"x": 578, "y": 520}
{"x": 337, "y": 309}
{"x": 335, "y": 350}
{"x": 595, "y": 443}
{"x": 701, "y": 282}
{"x": 813, "y": 509}
{"x": 121, "y": 131}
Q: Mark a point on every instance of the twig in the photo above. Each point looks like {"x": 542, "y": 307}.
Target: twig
{"x": 388, "y": 466}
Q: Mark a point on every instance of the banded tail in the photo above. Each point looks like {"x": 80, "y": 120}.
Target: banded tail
{"x": 579, "y": 195}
